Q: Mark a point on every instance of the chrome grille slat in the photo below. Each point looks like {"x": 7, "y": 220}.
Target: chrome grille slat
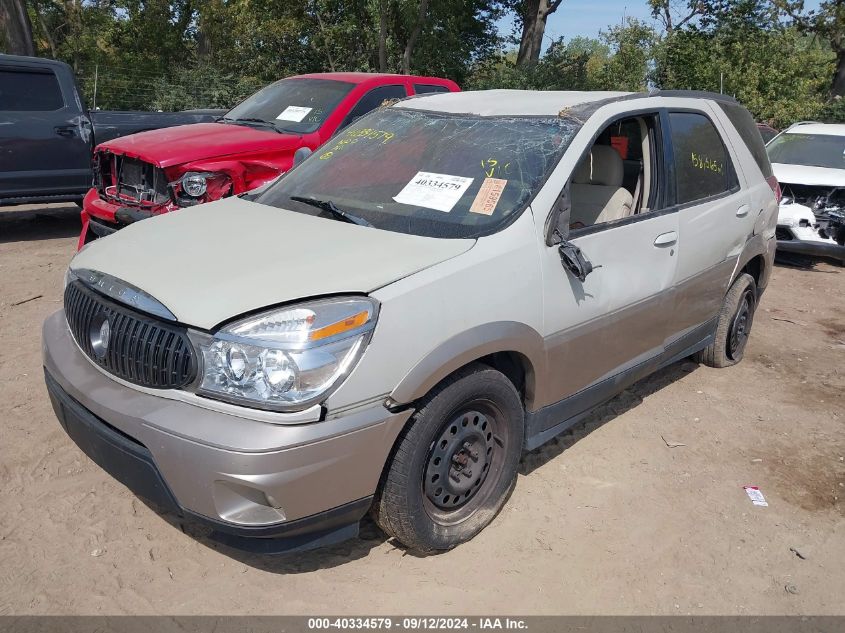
{"x": 142, "y": 350}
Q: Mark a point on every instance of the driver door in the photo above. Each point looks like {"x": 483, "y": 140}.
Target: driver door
{"x": 610, "y": 329}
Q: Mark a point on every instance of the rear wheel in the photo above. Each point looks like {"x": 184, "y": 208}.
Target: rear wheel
{"x": 455, "y": 465}
{"x": 734, "y": 325}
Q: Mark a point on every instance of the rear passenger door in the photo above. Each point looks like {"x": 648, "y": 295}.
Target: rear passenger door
{"x": 44, "y": 152}
{"x": 715, "y": 219}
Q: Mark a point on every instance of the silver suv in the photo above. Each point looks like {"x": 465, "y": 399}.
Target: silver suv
{"x": 449, "y": 282}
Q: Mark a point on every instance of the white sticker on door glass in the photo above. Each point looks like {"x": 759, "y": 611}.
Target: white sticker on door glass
{"x": 294, "y": 113}
{"x": 434, "y": 191}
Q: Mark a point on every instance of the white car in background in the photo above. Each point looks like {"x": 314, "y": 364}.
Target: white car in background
{"x": 808, "y": 160}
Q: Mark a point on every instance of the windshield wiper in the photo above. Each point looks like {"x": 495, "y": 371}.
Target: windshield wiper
{"x": 329, "y": 206}
{"x": 253, "y": 120}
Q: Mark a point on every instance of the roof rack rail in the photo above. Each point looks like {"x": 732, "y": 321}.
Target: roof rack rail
{"x": 800, "y": 123}
{"x": 701, "y": 94}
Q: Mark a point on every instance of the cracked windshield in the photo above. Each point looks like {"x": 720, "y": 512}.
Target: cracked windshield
{"x": 438, "y": 175}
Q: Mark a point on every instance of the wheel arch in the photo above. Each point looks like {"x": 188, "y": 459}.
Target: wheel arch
{"x": 514, "y": 349}
{"x": 756, "y": 261}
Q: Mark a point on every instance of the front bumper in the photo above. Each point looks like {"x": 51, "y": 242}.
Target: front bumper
{"x": 308, "y": 484}
{"x": 99, "y": 217}
{"x": 807, "y": 242}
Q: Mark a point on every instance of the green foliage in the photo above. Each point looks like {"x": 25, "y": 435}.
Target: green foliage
{"x": 739, "y": 47}
{"x": 774, "y": 55}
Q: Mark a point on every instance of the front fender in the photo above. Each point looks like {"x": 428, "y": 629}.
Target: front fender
{"x": 245, "y": 175}
{"x": 470, "y": 345}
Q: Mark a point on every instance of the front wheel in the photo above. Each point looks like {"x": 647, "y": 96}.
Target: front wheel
{"x": 733, "y": 326}
{"x": 455, "y": 465}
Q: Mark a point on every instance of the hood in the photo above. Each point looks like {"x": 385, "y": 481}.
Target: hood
{"x": 808, "y": 175}
{"x": 184, "y": 143}
{"x": 215, "y": 261}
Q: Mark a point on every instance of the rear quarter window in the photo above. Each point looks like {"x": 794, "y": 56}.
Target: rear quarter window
{"x": 422, "y": 89}
{"x": 750, "y": 134}
{"x": 28, "y": 91}
{"x": 703, "y": 166}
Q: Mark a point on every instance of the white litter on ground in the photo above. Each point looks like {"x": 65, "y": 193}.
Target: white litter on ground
{"x": 756, "y": 496}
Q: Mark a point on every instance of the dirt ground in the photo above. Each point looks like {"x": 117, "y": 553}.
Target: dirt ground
{"x": 613, "y": 518}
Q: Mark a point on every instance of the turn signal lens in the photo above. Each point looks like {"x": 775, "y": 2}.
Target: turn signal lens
{"x": 340, "y": 327}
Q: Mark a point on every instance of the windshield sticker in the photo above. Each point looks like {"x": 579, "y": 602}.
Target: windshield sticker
{"x": 294, "y": 113}
{"x": 488, "y": 196}
{"x": 434, "y": 191}
{"x": 353, "y": 136}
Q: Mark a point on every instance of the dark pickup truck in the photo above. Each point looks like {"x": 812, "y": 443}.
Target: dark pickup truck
{"x": 47, "y": 136}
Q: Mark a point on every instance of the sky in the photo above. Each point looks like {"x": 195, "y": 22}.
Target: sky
{"x": 588, "y": 17}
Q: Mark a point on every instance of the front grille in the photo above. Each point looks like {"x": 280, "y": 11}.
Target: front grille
{"x": 141, "y": 350}
{"x": 130, "y": 180}
{"x": 783, "y": 233}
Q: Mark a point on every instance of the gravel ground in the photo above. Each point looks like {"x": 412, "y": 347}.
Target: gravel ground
{"x": 641, "y": 510}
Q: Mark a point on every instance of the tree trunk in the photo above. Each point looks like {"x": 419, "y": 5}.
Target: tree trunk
{"x": 412, "y": 40}
{"x": 837, "y": 86}
{"x": 17, "y": 29}
{"x": 325, "y": 39}
{"x": 382, "y": 36}
{"x": 533, "y": 29}
{"x": 47, "y": 35}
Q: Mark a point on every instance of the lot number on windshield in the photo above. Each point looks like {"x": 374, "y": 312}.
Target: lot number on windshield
{"x": 294, "y": 113}
{"x": 434, "y": 191}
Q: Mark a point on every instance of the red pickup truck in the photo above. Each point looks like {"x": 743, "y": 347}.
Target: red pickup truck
{"x": 154, "y": 172}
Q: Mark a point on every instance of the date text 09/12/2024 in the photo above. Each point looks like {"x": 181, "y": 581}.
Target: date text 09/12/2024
{"x": 417, "y": 623}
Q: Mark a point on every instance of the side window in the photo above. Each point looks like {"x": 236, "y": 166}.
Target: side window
{"x": 422, "y": 89}
{"x": 751, "y": 134}
{"x": 703, "y": 167}
{"x": 373, "y": 99}
{"x": 618, "y": 177}
{"x": 29, "y": 91}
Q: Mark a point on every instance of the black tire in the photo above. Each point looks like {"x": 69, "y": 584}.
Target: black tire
{"x": 734, "y": 325}
{"x": 454, "y": 466}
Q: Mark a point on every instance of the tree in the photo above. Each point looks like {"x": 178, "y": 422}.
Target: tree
{"x": 627, "y": 67}
{"x": 663, "y": 10}
{"x": 414, "y": 36}
{"x": 17, "y": 28}
{"x": 533, "y": 15}
{"x": 826, "y": 23}
{"x": 778, "y": 73}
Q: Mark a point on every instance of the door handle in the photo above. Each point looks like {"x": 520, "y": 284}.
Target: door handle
{"x": 666, "y": 239}
{"x": 68, "y": 131}
{"x": 743, "y": 210}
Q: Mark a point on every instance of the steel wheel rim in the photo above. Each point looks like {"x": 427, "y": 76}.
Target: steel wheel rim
{"x": 741, "y": 325}
{"x": 465, "y": 463}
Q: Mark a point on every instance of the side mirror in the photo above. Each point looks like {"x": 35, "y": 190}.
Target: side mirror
{"x": 557, "y": 232}
{"x": 574, "y": 260}
{"x": 557, "y": 224}
{"x": 300, "y": 155}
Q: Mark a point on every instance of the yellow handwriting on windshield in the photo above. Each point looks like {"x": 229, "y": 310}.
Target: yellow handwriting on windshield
{"x": 350, "y": 137}
{"x": 492, "y": 166}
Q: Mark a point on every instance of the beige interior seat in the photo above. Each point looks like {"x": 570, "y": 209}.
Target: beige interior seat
{"x": 597, "y": 193}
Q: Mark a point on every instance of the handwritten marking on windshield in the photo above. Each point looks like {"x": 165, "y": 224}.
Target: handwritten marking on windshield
{"x": 350, "y": 137}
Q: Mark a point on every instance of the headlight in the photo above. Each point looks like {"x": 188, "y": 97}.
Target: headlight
{"x": 289, "y": 358}
{"x": 194, "y": 184}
